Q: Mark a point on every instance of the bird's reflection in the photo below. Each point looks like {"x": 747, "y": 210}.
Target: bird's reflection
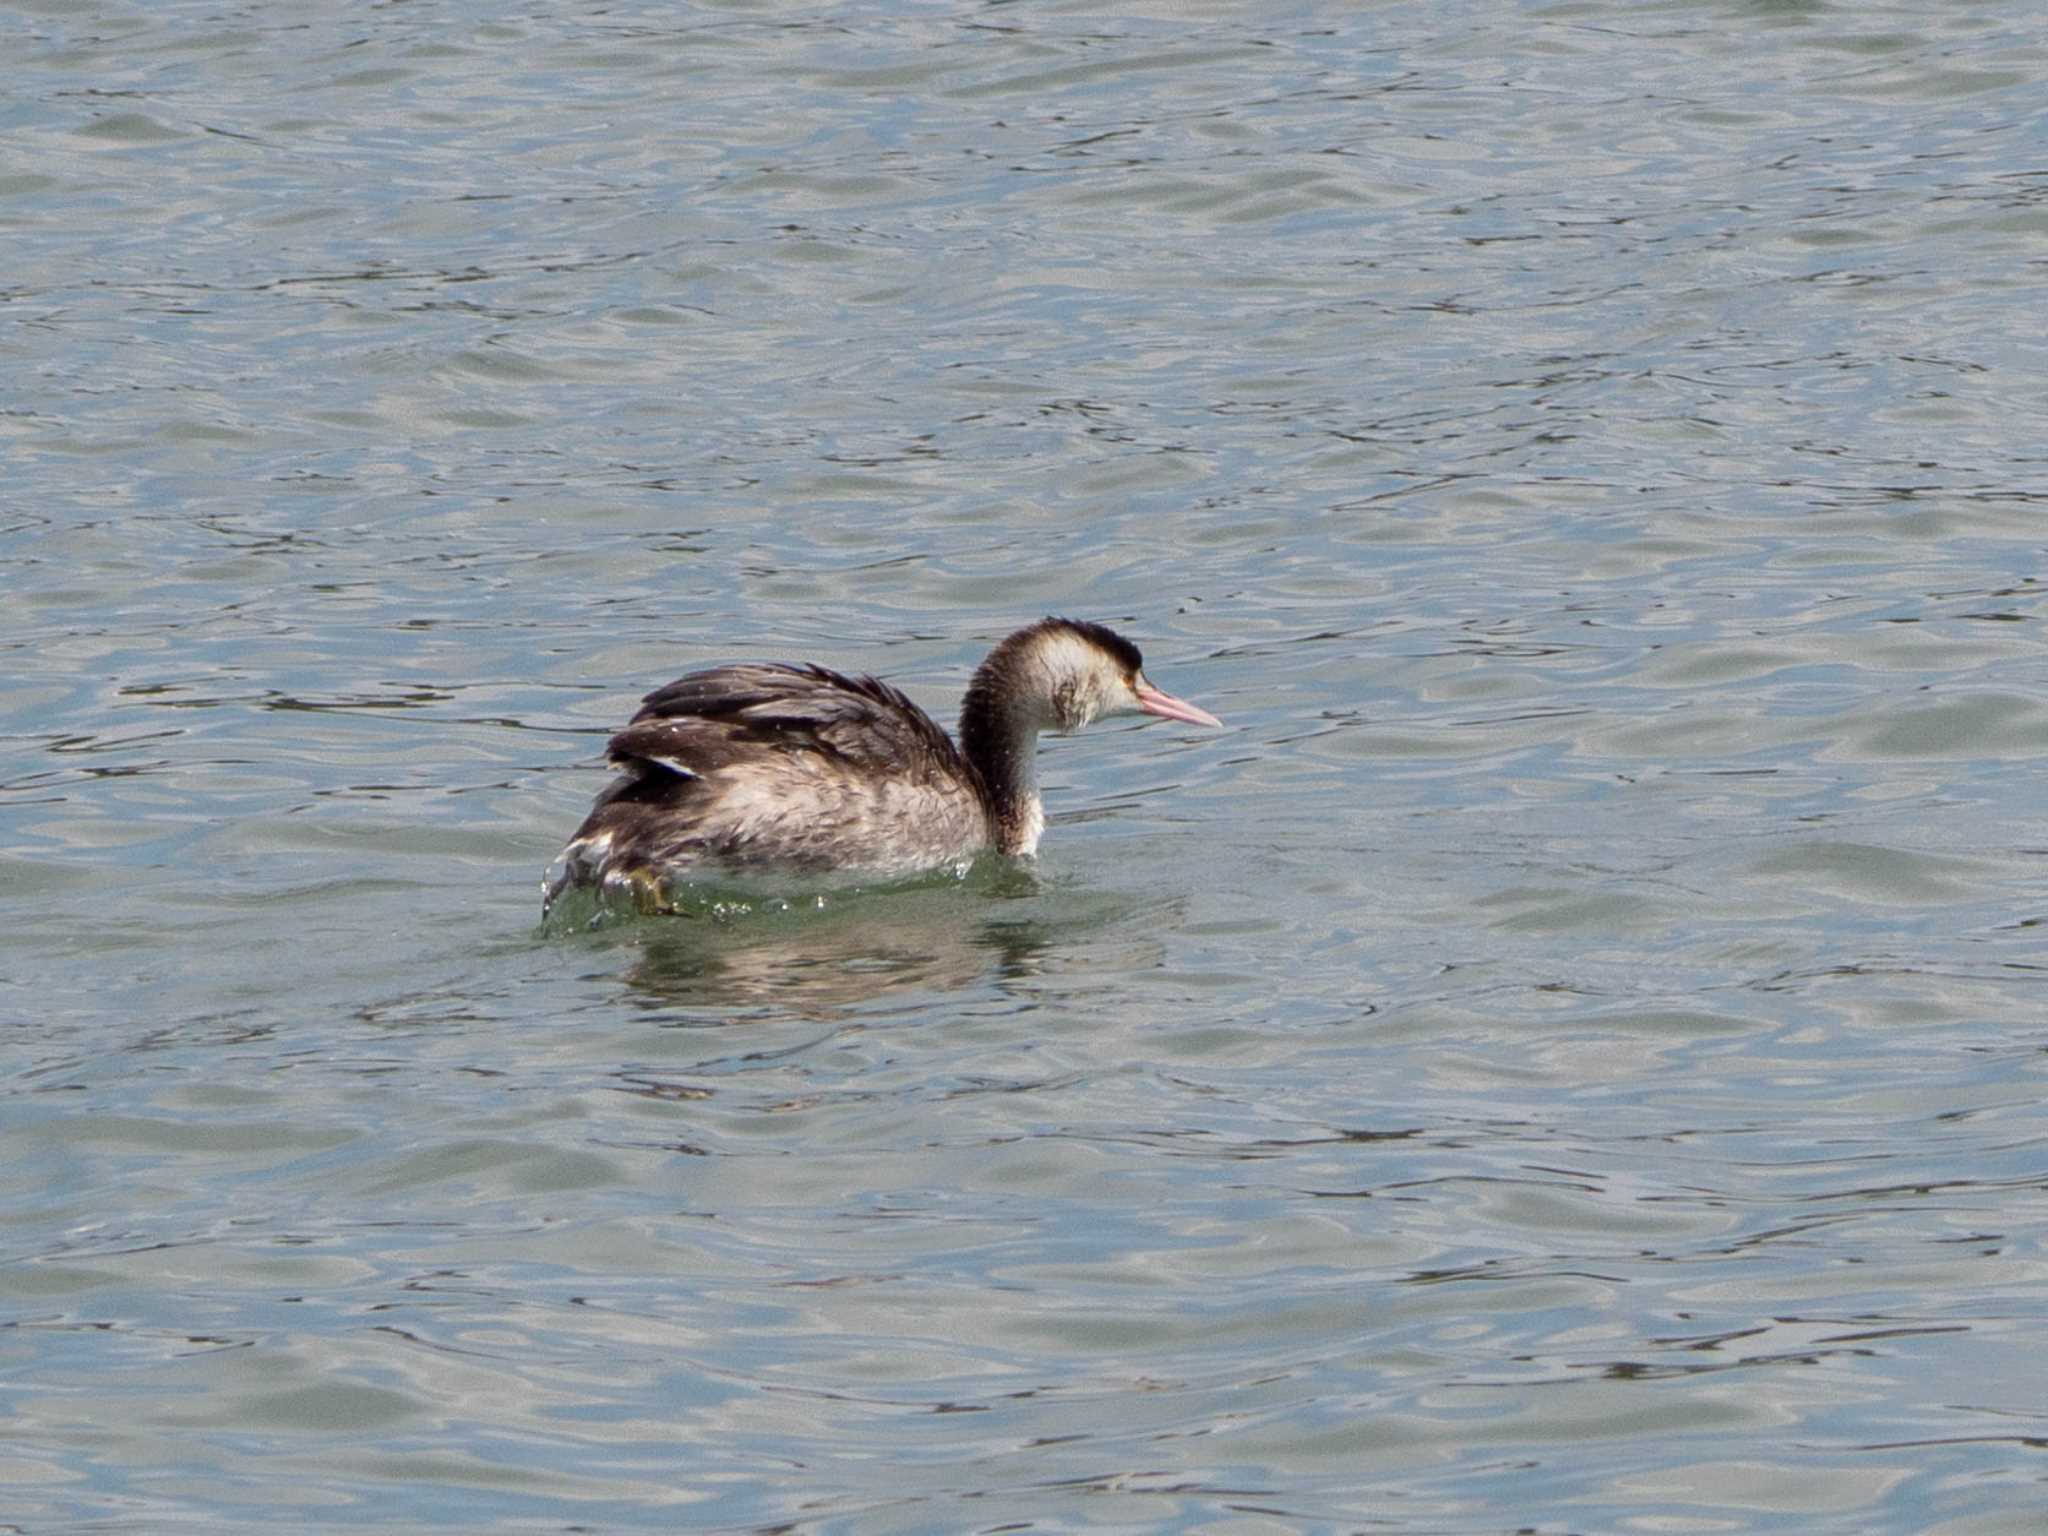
{"x": 823, "y": 958}
{"x": 825, "y": 971}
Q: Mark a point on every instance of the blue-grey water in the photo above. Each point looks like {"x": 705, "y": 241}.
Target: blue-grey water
{"x": 1569, "y": 1057}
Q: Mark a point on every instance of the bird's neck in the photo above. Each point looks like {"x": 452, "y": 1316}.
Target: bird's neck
{"x": 999, "y": 739}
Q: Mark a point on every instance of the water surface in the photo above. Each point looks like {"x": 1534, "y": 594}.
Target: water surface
{"x": 1568, "y": 1058}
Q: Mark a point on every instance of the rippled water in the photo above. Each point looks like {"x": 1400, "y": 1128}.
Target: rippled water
{"x": 1569, "y": 1058}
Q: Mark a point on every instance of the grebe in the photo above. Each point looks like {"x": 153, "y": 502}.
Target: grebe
{"x": 778, "y": 769}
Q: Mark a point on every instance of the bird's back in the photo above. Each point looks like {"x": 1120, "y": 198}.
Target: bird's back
{"x": 782, "y": 769}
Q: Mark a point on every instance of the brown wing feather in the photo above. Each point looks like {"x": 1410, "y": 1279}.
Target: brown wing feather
{"x": 706, "y": 720}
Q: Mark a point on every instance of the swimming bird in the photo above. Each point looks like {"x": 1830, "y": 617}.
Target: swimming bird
{"x": 768, "y": 768}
